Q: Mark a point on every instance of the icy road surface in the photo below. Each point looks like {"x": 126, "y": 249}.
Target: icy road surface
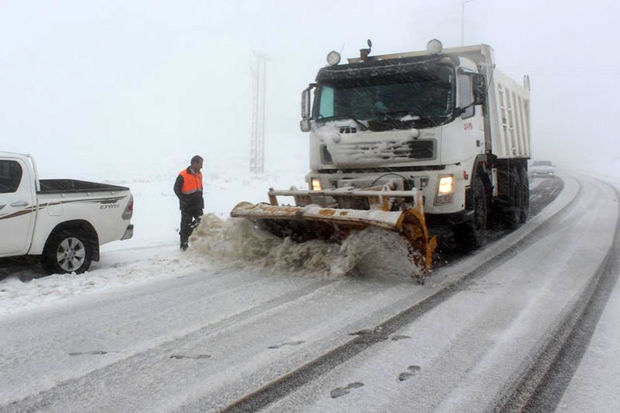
{"x": 203, "y": 341}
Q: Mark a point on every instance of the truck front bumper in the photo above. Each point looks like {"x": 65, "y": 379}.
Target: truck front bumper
{"x": 434, "y": 220}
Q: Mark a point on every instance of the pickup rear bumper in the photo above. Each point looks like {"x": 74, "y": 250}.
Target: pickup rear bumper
{"x": 128, "y": 232}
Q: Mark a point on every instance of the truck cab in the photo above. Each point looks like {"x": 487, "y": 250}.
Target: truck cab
{"x": 17, "y": 204}
{"x": 430, "y": 120}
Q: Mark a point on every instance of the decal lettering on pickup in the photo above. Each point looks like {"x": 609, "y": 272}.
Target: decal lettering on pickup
{"x": 19, "y": 213}
{"x": 106, "y": 203}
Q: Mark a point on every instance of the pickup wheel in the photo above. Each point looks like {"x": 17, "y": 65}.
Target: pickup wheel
{"x": 67, "y": 252}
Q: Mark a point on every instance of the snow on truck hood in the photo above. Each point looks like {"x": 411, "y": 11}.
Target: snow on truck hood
{"x": 349, "y": 146}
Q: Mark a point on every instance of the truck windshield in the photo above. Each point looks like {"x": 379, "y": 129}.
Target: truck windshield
{"x": 421, "y": 96}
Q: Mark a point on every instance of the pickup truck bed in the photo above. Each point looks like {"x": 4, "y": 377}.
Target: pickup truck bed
{"x": 55, "y": 186}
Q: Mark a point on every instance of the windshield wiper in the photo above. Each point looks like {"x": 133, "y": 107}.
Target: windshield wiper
{"x": 418, "y": 116}
{"x": 364, "y": 127}
{"x": 343, "y": 117}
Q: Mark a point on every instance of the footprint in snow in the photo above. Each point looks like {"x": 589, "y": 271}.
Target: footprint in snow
{"x": 371, "y": 336}
{"x": 412, "y": 371}
{"x": 90, "y": 353}
{"x": 341, "y": 391}
{"x": 193, "y": 357}
{"x": 290, "y": 343}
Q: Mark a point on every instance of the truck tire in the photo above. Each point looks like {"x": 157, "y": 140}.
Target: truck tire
{"x": 472, "y": 235}
{"x": 67, "y": 251}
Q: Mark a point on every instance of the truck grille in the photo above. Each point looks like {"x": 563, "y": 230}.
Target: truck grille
{"x": 421, "y": 149}
{"x": 388, "y": 150}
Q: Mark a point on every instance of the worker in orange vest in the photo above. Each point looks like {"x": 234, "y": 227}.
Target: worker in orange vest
{"x": 188, "y": 188}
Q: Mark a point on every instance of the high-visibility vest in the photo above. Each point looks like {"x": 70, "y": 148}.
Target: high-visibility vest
{"x": 191, "y": 183}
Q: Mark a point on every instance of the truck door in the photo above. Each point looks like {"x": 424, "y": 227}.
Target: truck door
{"x": 17, "y": 207}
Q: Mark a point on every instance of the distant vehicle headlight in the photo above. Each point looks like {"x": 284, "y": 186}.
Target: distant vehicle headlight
{"x": 316, "y": 184}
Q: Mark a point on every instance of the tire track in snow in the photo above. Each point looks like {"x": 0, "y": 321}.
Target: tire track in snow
{"x": 134, "y": 358}
{"x": 543, "y": 385}
{"x": 153, "y": 350}
{"x": 288, "y": 383}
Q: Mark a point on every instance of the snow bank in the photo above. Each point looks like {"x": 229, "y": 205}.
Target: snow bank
{"x": 117, "y": 269}
{"x": 153, "y": 252}
{"x": 217, "y": 245}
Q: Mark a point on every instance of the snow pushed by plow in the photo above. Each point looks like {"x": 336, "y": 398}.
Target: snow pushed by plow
{"x": 238, "y": 241}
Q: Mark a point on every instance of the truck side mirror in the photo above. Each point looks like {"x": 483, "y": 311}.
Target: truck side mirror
{"x": 306, "y": 107}
{"x": 305, "y": 104}
{"x": 479, "y": 88}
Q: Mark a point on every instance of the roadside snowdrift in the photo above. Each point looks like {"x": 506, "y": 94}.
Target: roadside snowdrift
{"x": 230, "y": 245}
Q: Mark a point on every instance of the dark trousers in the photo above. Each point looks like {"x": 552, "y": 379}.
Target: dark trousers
{"x": 188, "y": 217}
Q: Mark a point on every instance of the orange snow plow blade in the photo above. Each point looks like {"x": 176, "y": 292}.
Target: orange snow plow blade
{"x": 310, "y": 221}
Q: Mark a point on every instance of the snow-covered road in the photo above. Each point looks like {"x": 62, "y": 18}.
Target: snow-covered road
{"x": 468, "y": 353}
{"x": 202, "y": 341}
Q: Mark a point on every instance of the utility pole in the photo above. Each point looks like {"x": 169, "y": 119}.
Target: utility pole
{"x": 463, "y": 2}
{"x": 257, "y": 142}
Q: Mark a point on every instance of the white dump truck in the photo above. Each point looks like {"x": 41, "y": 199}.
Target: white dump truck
{"x": 63, "y": 221}
{"x": 410, "y": 141}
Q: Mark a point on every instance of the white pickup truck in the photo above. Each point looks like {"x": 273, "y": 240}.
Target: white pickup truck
{"x": 63, "y": 221}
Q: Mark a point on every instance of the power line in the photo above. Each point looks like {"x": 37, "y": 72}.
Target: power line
{"x": 257, "y": 140}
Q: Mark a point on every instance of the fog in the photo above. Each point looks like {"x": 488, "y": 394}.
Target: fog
{"x": 114, "y": 85}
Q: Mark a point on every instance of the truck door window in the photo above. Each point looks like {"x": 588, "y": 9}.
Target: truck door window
{"x": 10, "y": 176}
{"x": 466, "y": 96}
{"x": 326, "y": 107}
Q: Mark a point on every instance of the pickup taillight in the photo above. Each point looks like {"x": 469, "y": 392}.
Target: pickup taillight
{"x": 128, "y": 212}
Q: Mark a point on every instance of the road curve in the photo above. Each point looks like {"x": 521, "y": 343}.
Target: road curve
{"x": 473, "y": 351}
{"x": 207, "y": 341}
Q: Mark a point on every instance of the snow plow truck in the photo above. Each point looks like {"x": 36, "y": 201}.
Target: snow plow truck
{"x": 408, "y": 142}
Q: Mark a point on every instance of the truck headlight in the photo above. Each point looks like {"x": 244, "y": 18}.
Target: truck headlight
{"x": 446, "y": 185}
{"x": 445, "y": 189}
{"x": 316, "y": 184}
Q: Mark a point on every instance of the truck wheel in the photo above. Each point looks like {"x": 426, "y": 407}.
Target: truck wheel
{"x": 67, "y": 252}
{"x": 472, "y": 234}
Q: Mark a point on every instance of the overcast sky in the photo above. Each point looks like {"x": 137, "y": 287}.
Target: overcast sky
{"x": 99, "y": 83}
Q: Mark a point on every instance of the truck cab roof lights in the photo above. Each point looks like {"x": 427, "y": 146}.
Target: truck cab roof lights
{"x": 333, "y": 58}
{"x": 434, "y": 46}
